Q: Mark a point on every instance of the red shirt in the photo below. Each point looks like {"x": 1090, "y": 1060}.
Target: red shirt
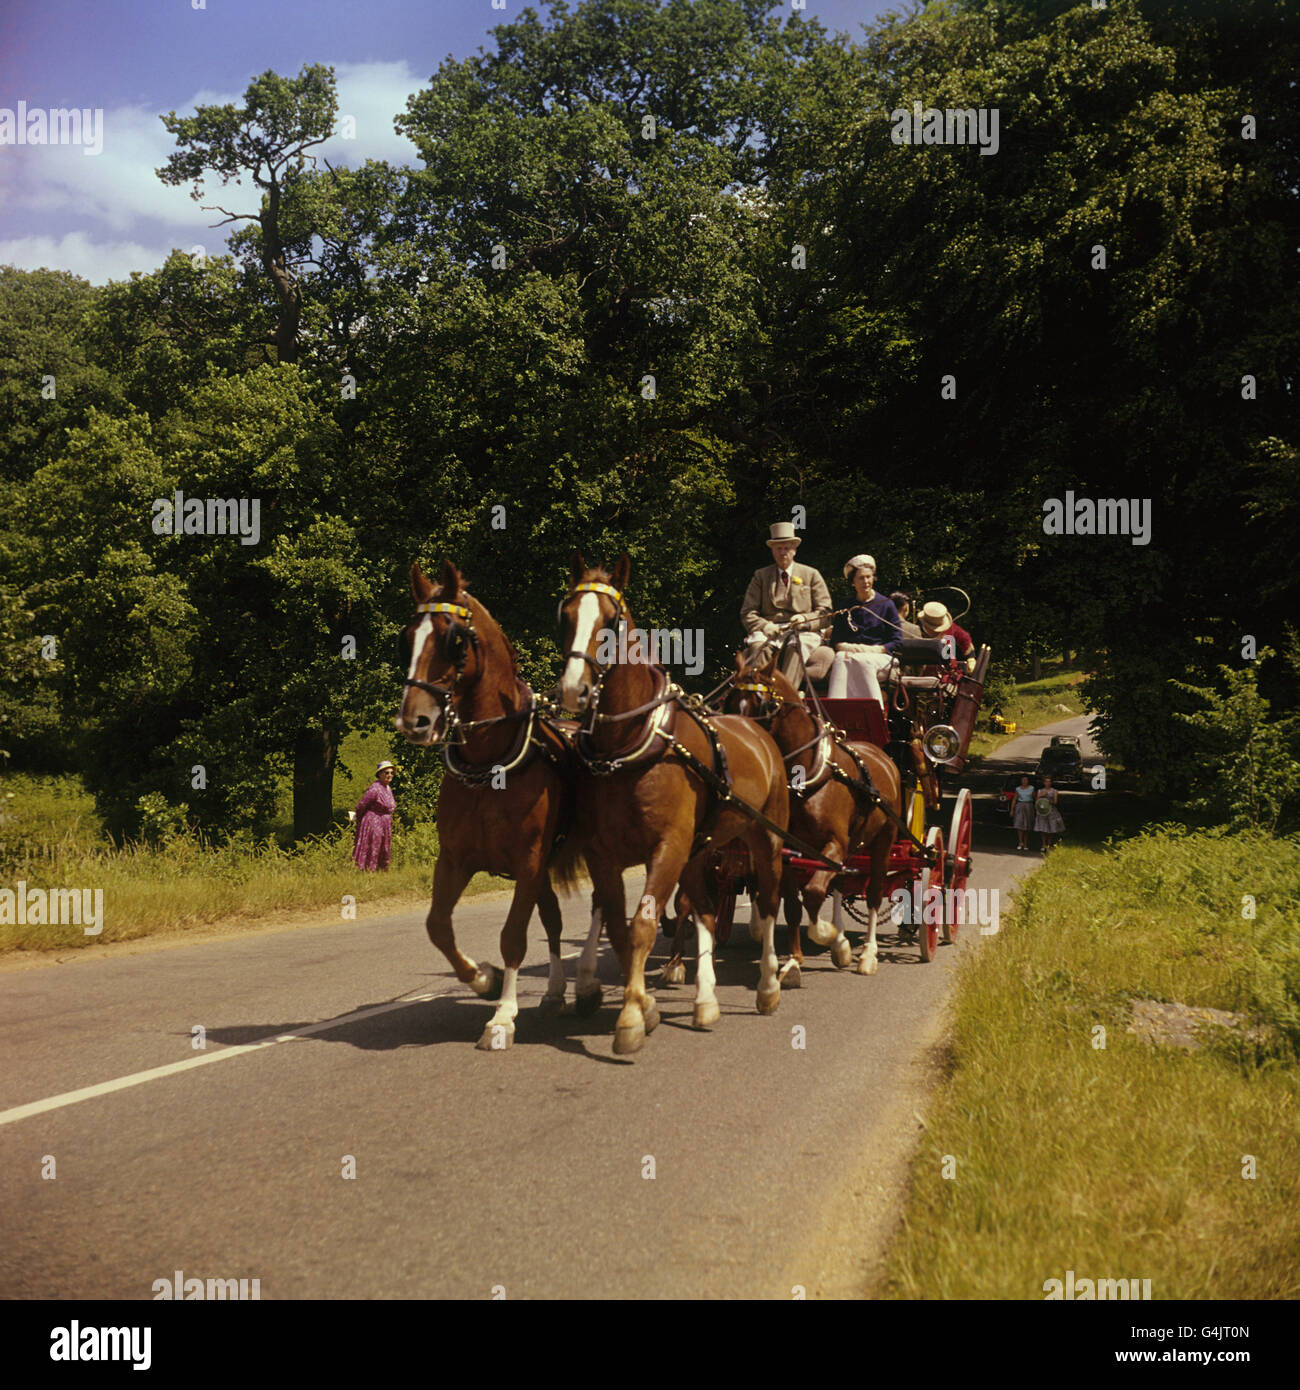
{"x": 965, "y": 647}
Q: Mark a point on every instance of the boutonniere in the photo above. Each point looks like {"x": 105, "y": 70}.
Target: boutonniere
{"x": 796, "y": 579}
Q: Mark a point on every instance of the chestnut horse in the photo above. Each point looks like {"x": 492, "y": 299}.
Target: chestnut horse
{"x": 824, "y": 811}
{"x": 642, "y": 799}
{"x": 504, "y": 796}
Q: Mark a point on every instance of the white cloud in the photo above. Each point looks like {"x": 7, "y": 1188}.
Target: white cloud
{"x": 97, "y": 262}
{"x": 71, "y": 196}
{"x": 119, "y": 185}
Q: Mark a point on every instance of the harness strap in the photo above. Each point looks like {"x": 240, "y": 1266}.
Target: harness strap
{"x": 721, "y": 786}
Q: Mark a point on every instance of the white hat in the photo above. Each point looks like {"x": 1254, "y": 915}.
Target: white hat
{"x": 856, "y": 563}
{"x": 382, "y": 766}
{"x": 783, "y": 533}
{"x": 936, "y": 616}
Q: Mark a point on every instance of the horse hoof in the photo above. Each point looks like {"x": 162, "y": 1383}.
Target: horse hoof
{"x": 790, "y": 974}
{"x": 487, "y": 983}
{"x": 552, "y": 1006}
{"x": 675, "y": 973}
{"x": 584, "y": 1005}
{"x": 767, "y": 1003}
{"x": 706, "y": 1014}
{"x": 822, "y": 932}
{"x": 629, "y": 1039}
{"x": 842, "y": 954}
{"x": 867, "y": 965}
{"x": 650, "y": 1014}
{"x": 496, "y": 1037}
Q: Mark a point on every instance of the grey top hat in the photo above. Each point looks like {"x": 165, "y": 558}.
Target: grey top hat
{"x": 783, "y": 533}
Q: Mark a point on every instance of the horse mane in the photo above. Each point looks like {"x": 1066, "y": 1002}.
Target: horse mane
{"x": 463, "y": 590}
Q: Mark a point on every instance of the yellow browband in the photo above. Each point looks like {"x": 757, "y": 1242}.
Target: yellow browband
{"x": 593, "y": 588}
{"x": 454, "y": 609}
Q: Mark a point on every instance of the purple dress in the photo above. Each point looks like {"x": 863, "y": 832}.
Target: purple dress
{"x": 374, "y": 827}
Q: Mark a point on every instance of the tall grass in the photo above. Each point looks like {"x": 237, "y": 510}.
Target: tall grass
{"x": 50, "y": 837}
{"x": 1098, "y": 1151}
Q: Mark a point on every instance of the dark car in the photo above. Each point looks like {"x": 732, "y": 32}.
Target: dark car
{"x": 1062, "y": 761}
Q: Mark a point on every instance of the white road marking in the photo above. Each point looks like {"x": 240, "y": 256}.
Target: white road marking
{"x": 121, "y": 1083}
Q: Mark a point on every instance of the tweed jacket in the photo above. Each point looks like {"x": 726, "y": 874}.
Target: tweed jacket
{"x": 765, "y": 600}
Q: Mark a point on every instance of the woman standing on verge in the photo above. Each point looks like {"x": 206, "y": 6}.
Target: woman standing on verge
{"x": 1047, "y": 819}
{"x": 1022, "y": 809}
{"x": 374, "y": 817}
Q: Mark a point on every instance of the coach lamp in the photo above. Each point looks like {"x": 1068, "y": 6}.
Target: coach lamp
{"x": 942, "y": 744}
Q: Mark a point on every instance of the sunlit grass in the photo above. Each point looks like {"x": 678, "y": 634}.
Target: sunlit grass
{"x": 51, "y": 838}
{"x": 1124, "y": 1160}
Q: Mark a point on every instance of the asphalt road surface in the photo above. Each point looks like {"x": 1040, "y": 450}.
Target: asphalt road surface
{"x": 710, "y": 1165}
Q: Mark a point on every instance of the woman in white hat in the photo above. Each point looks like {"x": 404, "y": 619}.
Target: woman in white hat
{"x": 866, "y": 638}
{"x": 374, "y": 818}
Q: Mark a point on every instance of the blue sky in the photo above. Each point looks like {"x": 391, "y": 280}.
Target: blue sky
{"x": 105, "y": 215}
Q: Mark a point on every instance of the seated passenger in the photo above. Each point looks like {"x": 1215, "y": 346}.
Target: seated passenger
{"x": 866, "y": 637}
{"x": 903, "y": 602}
{"x": 784, "y": 596}
{"x": 936, "y": 621}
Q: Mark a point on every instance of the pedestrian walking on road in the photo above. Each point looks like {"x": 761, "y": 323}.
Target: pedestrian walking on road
{"x": 1022, "y": 810}
{"x": 374, "y": 818}
{"x": 1047, "y": 819}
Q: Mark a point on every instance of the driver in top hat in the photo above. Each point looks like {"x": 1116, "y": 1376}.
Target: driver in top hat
{"x": 783, "y": 592}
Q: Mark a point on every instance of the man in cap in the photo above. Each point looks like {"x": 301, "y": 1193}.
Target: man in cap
{"x": 936, "y": 621}
{"x": 783, "y": 593}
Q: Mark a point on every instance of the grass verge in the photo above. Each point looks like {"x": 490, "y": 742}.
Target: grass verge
{"x": 1130, "y": 1159}
{"x": 50, "y": 837}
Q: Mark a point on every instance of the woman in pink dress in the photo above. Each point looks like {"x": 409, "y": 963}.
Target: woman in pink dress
{"x": 374, "y": 818}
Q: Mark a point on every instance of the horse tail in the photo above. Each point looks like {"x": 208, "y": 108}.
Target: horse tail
{"x": 566, "y": 864}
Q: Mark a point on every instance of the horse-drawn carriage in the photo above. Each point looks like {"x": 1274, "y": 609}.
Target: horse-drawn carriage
{"x": 797, "y": 796}
{"x": 933, "y": 702}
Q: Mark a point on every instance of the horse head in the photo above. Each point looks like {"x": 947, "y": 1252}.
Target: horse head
{"x": 442, "y": 649}
{"x": 594, "y": 603}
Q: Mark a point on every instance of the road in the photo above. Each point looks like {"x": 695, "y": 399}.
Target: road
{"x": 711, "y": 1165}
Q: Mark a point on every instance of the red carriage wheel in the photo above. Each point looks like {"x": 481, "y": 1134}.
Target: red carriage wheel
{"x": 932, "y": 902}
{"x": 957, "y": 861}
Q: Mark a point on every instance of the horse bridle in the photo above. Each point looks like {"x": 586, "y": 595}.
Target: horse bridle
{"x": 592, "y": 586}
{"x": 459, "y": 637}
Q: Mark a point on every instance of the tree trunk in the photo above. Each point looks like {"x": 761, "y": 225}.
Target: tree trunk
{"x": 314, "y": 755}
{"x": 1036, "y": 666}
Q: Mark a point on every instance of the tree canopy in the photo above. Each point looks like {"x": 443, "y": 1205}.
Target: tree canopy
{"x": 662, "y": 275}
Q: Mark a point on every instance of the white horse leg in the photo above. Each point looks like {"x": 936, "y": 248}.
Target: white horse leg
{"x": 867, "y": 961}
{"x": 553, "y": 1000}
{"x": 500, "y": 1033}
{"x": 706, "y": 1002}
{"x": 769, "y": 983}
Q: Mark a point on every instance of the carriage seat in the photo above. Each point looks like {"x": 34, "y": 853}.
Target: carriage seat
{"x": 917, "y": 653}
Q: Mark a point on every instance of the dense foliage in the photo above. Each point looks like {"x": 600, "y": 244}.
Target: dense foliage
{"x": 661, "y": 276}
